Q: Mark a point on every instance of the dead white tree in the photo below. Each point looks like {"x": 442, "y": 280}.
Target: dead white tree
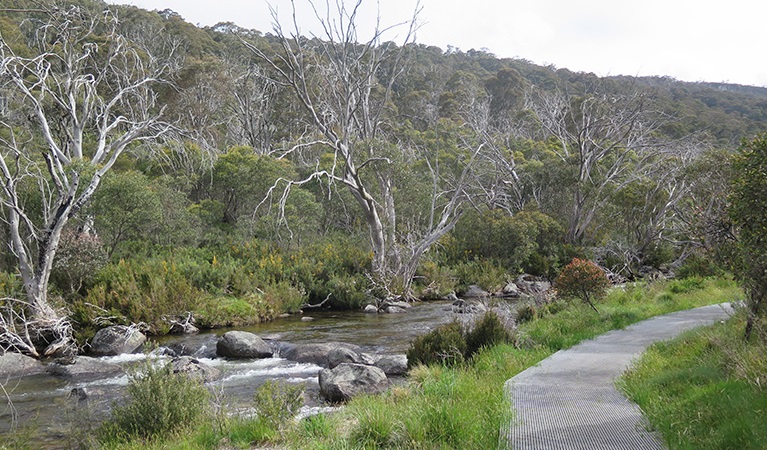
{"x": 610, "y": 141}
{"x": 84, "y": 96}
{"x": 344, "y": 86}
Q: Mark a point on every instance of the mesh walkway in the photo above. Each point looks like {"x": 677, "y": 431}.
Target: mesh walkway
{"x": 569, "y": 400}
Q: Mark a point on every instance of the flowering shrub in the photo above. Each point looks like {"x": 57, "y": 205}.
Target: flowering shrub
{"x": 582, "y": 279}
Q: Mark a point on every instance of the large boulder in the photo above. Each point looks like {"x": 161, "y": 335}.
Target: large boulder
{"x": 115, "y": 340}
{"x": 475, "y": 291}
{"x": 193, "y": 368}
{"x": 340, "y": 355}
{"x": 241, "y": 344}
{"x": 83, "y": 368}
{"x": 198, "y": 346}
{"x": 14, "y": 365}
{"x": 317, "y": 353}
{"x": 347, "y": 380}
{"x": 392, "y": 365}
{"x": 531, "y": 285}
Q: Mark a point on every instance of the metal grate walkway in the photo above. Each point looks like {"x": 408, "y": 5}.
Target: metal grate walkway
{"x": 569, "y": 400}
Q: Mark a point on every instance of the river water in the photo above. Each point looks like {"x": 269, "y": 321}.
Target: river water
{"x": 42, "y": 403}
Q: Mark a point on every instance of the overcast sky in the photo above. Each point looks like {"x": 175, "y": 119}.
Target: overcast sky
{"x": 691, "y": 40}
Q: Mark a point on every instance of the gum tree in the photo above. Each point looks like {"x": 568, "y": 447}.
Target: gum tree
{"x": 72, "y": 103}
{"x": 344, "y": 84}
{"x": 748, "y": 210}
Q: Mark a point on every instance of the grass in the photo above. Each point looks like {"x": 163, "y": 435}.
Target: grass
{"x": 705, "y": 389}
{"x": 622, "y": 307}
{"x": 453, "y": 407}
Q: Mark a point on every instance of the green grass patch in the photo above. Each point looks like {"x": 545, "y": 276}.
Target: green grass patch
{"x": 705, "y": 389}
{"x": 623, "y": 307}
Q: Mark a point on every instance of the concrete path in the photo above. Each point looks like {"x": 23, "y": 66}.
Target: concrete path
{"x": 569, "y": 400}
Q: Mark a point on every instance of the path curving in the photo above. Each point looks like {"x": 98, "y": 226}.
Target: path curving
{"x": 569, "y": 400}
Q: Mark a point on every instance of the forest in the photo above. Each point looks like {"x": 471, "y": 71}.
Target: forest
{"x": 153, "y": 169}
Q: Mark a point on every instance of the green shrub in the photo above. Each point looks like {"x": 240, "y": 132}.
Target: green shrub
{"x": 11, "y": 286}
{"x": 698, "y": 265}
{"x": 485, "y": 274}
{"x": 486, "y": 332}
{"x": 277, "y": 402}
{"x": 526, "y": 313}
{"x": 686, "y": 285}
{"x": 284, "y": 297}
{"x": 79, "y": 257}
{"x": 159, "y": 403}
{"x": 216, "y": 312}
{"x": 452, "y": 344}
{"x": 433, "y": 281}
{"x": 144, "y": 291}
{"x": 445, "y": 344}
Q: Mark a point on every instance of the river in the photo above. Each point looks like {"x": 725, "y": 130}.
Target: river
{"x": 43, "y": 406}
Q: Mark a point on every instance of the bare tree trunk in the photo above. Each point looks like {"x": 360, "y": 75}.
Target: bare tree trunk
{"x": 71, "y": 88}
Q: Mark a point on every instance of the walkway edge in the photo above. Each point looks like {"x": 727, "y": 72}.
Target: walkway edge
{"x": 569, "y": 400}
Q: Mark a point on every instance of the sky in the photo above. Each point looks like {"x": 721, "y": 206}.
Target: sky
{"x": 690, "y": 40}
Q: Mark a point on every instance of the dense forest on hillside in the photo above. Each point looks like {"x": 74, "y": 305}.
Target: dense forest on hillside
{"x": 153, "y": 169}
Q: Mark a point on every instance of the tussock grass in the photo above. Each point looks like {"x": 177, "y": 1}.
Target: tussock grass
{"x": 705, "y": 389}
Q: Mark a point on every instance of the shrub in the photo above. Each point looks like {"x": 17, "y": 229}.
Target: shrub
{"x": 277, "y": 402}
{"x": 486, "y": 332}
{"x": 284, "y": 297}
{"x": 160, "y": 402}
{"x": 485, "y": 274}
{"x": 698, "y": 265}
{"x": 584, "y": 280}
{"x": 526, "y": 313}
{"x": 452, "y": 344}
{"x": 445, "y": 344}
{"x": 79, "y": 257}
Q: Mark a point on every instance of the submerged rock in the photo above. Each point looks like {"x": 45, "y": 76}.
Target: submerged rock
{"x": 347, "y": 380}
{"x": 241, "y": 344}
{"x": 83, "y": 368}
{"x": 115, "y": 340}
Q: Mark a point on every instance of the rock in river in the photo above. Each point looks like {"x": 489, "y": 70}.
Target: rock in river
{"x": 347, "y": 380}
{"x": 241, "y": 344}
{"x": 84, "y": 368}
{"x": 392, "y": 365}
{"x": 318, "y": 354}
{"x": 193, "y": 368}
{"x": 14, "y": 365}
{"x": 115, "y": 340}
